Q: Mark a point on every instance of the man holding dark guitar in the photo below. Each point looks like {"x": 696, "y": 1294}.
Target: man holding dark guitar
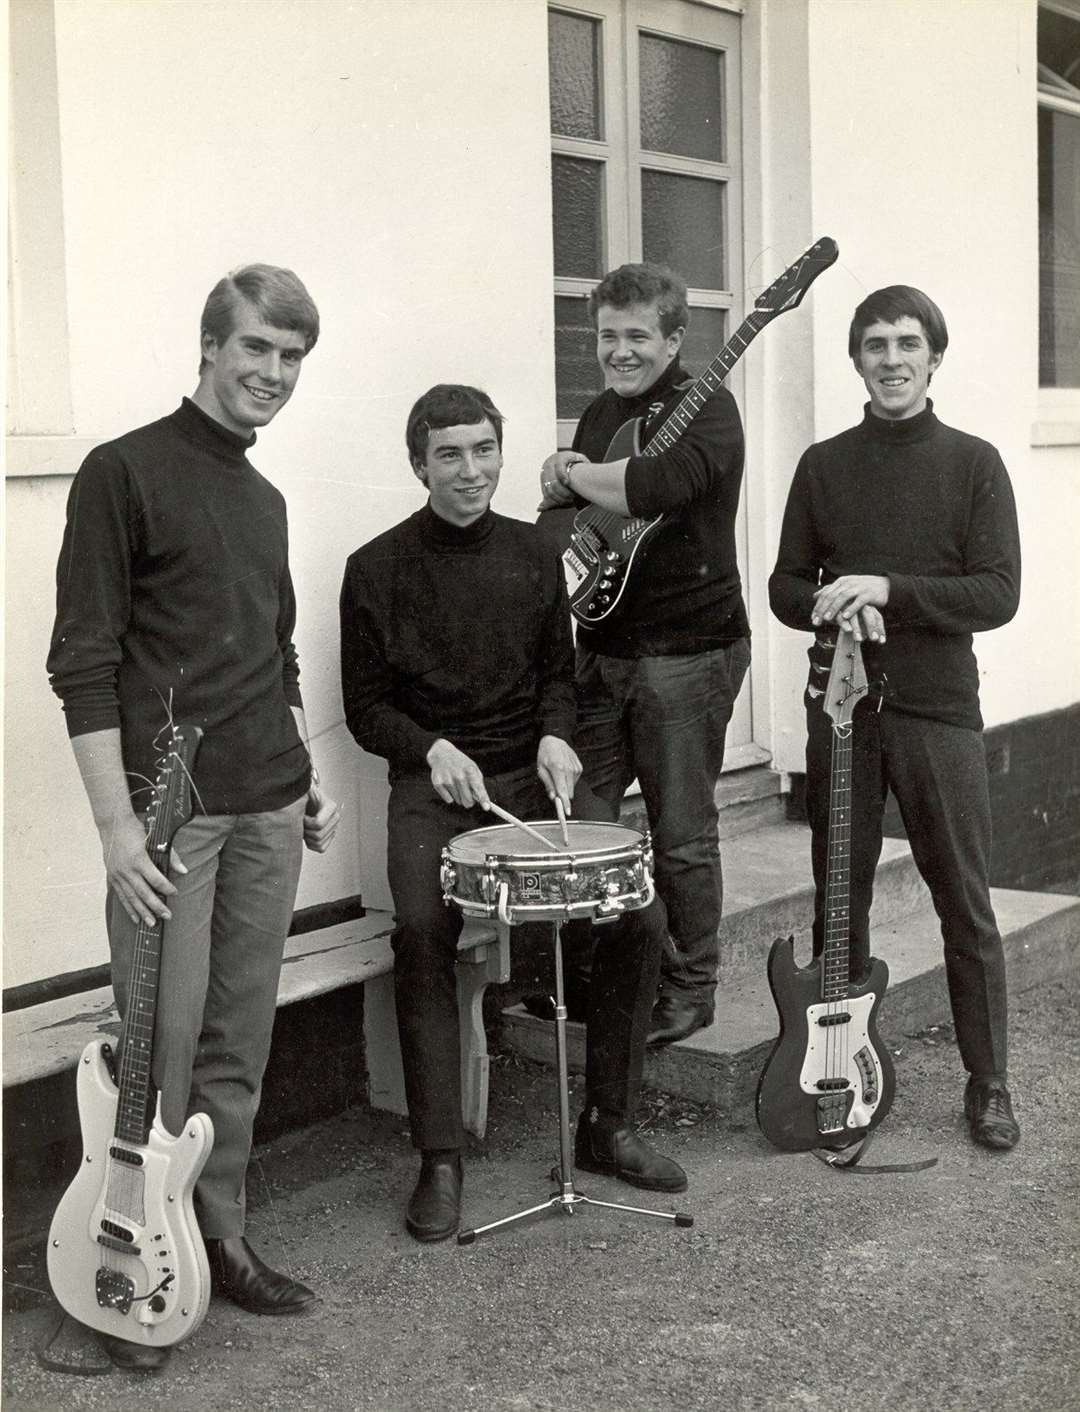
{"x": 657, "y": 681}
{"x": 903, "y": 531}
{"x": 174, "y": 603}
{"x": 457, "y": 667}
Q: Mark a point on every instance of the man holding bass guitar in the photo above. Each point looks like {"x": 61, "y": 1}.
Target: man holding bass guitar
{"x": 903, "y": 532}
{"x": 658, "y": 678}
{"x": 175, "y": 605}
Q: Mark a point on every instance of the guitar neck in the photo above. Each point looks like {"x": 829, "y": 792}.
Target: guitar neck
{"x": 834, "y": 969}
{"x": 709, "y": 382}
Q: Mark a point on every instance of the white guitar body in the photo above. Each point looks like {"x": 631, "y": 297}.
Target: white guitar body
{"x": 125, "y": 1255}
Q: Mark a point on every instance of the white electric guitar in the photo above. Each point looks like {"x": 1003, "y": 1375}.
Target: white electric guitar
{"x": 125, "y": 1255}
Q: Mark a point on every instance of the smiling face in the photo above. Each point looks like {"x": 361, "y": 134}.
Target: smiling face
{"x": 631, "y": 347}
{"x": 461, "y": 468}
{"x": 247, "y": 379}
{"x": 895, "y": 362}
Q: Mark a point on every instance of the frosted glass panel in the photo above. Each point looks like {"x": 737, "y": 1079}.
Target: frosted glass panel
{"x": 682, "y": 225}
{"x": 574, "y": 69}
{"x": 704, "y": 339}
{"x": 682, "y": 98}
{"x": 577, "y": 373}
{"x": 577, "y": 190}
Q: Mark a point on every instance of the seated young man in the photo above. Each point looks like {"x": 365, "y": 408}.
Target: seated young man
{"x": 457, "y": 666}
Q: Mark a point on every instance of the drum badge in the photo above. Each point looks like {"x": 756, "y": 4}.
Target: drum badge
{"x": 530, "y": 887}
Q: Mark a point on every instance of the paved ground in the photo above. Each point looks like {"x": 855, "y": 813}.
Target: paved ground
{"x": 797, "y": 1287}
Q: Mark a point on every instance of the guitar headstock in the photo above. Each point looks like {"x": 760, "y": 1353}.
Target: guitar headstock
{"x": 172, "y": 806}
{"x": 847, "y": 684}
{"x": 788, "y": 291}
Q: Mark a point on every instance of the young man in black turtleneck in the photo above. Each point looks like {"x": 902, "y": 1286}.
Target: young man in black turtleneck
{"x": 657, "y": 681}
{"x": 175, "y": 603}
{"x": 457, "y": 667}
{"x": 903, "y": 531}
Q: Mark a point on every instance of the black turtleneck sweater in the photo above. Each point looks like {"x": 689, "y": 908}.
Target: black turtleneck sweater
{"x": 174, "y": 597}
{"x": 685, "y": 596}
{"x": 932, "y": 509}
{"x": 456, "y": 633}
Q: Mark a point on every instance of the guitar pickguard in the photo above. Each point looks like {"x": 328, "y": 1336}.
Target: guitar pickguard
{"x": 842, "y": 1053}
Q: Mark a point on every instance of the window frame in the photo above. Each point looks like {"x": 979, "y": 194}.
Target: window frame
{"x": 1058, "y": 416}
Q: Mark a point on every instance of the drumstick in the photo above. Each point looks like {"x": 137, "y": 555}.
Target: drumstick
{"x": 562, "y": 821}
{"x": 510, "y": 819}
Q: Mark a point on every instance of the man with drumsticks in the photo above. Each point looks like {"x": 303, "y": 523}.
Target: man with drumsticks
{"x": 457, "y": 667}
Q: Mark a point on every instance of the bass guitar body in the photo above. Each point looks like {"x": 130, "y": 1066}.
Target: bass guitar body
{"x": 604, "y": 545}
{"x": 125, "y": 1255}
{"x": 828, "y": 1079}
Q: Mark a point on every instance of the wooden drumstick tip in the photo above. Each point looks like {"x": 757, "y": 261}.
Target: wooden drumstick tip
{"x": 562, "y": 821}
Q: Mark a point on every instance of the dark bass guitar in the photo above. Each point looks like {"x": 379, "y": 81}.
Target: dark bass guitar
{"x": 125, "y": 1255}
{"x": 604, "y": 546}
{"x": 828, "y": 1080}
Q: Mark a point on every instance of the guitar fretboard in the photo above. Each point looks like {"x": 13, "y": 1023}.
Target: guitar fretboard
{"x": 834, "y": 970}
{"x": 709, "y": 382}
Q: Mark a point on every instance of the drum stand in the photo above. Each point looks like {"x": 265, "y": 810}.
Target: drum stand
{"x": 567, "y": 1199}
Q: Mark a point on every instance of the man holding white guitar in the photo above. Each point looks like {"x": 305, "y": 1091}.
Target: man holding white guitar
{"x": 175, "y": 606}
{"x": 903, "y": 532}
{"x": 658, "y": 671}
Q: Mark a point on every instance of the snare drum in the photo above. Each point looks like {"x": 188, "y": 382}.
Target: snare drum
{"x": 499, "y": 872}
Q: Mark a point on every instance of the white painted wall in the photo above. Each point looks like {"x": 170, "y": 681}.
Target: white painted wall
{"x": 396, "y": 156}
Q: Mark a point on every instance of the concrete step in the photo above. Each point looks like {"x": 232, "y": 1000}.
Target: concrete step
{"x": 748, "y": 798}
{"x": 721, "y": 1064}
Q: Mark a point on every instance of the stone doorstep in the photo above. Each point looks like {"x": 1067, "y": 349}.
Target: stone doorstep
{"x": 721, "y": 1064}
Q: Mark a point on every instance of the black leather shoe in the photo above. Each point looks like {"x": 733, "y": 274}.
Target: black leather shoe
{"x": 988, "y": 1109}
{"x": 237, "y": 1273}
{"x": 675, "y": 1016}
{"x": 134, "y": 1357}
{"x": 434, "y": 1209}
{"x": 619, "y": 1152}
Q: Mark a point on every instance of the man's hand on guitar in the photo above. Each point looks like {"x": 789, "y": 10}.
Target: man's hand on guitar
{"x": 556, "y": 493}
{"x": 455, "y": 778}
{"x": 321, "y": 818}
{"x": 854, "y": 602}
{"x": 559, "y": 769}
{"x": 140, "y": 888}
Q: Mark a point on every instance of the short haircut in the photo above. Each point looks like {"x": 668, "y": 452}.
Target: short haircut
{"x": 644, "y": 284}
{"x": 889, "y": 306}
{"x": 448, "y": 404}
{"x": 277, "y": 296}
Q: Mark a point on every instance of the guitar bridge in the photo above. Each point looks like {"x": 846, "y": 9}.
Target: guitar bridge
{"x": 832, "y": 1112}
{"x": 114, "y": 1290}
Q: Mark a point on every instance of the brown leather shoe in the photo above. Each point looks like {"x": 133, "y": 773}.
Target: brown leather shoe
{"x": 134, "y": 1357}
{"x": 988, "y": 1109}
{"x": 434, "y": 1209}
{"x": 676, "y": 1016}
{"x": 619, "y": 1152}
{"x": 237, "y": 1273}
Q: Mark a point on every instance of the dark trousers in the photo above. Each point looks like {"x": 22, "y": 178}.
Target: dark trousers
{"x": 938, "y": 774}
{"x": 625, "y": 964}
{"x": 663, "y": 720}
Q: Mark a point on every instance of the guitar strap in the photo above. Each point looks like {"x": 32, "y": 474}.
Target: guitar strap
{"x": 850, "y": 1164}
{"x": 654, "y": 409}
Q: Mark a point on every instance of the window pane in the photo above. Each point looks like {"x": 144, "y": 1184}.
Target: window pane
{"x": 704, "y": 339}
{"x": 1059, "y": 249}
{"x": 682, "y": 98}
{"x": 577, "y": 375}
{"x": 574, "y": 70}
{"x": 577, "y": 210}
{"x": 682, "y": 225}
